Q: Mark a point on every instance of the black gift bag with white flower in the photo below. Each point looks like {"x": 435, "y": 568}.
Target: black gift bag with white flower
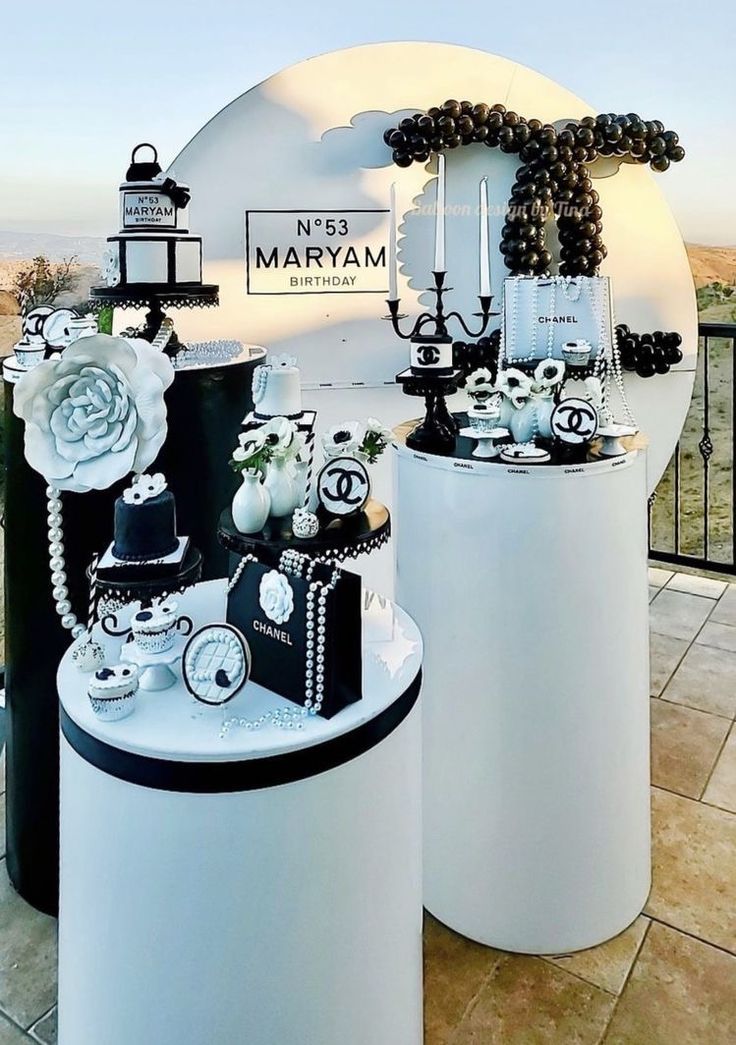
{"x": 302, "y": 620}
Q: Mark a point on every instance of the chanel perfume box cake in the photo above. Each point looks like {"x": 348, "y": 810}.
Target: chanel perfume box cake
{"x": 154, "y": 246}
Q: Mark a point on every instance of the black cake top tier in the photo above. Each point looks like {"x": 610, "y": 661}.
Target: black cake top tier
{"x": 145, "y": 529}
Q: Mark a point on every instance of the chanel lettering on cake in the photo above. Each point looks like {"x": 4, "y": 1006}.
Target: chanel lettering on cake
{"x": 316, "y": 252}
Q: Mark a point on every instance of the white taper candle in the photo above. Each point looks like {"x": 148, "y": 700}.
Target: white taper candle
{"x": 485, "y": 255}
{"x": 392, "y": 256}
{"x": 439, "y": 227}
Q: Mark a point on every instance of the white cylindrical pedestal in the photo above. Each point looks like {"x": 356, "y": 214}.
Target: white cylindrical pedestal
{"x": 262, "y": 888}
{"x": 530, "y": 588}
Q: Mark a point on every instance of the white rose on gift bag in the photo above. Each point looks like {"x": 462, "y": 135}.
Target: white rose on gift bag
{"x": 276, "y": 597}
{"x": 96, "y": 413}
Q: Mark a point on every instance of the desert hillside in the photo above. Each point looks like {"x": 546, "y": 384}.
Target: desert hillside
{"x": 712, "y": 264}
{"x": 86, "y": 275}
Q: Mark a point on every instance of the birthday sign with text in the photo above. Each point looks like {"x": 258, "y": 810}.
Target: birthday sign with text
{"x": 316, "y": 251}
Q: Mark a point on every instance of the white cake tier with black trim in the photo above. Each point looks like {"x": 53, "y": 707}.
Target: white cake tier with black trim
{"x": 146, "y": 206}
{"x": 431, "y": 355}
{"x": 157, "y": 259}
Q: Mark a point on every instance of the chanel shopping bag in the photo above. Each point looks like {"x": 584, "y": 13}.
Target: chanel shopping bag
{"x": 542, "y": 313}
{"x": 269, "y": 606}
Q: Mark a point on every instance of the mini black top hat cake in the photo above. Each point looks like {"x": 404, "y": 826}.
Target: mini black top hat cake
{"x": 145, "y": 521}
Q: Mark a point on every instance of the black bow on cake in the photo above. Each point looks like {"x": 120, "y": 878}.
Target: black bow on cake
{"x": 176, "y": 193}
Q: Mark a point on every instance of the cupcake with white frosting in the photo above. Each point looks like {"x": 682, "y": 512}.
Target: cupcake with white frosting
{"x": 112, "y": 691}
{"x": 154, "y": 628}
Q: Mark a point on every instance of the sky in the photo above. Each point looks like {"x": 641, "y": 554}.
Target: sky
{"x": 80, "y": 81}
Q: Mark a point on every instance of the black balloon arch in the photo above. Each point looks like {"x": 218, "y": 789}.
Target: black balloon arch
{"x": 552, "y": 180}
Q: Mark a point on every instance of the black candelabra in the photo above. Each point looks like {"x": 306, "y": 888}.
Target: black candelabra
{"x": 432, "y": 373}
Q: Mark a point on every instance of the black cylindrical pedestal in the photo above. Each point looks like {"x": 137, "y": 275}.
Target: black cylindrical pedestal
{"x": 205, "y": 409}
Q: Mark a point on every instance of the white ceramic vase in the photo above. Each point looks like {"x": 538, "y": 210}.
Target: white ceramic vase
{"x": 251, "y": 503}
{"x": 545, "y": 408}
{"x": 300, "y": 483}
{"x": 524, "y": 422}
{"x": 281, "y": 488}
{"x": 508, "y": 410}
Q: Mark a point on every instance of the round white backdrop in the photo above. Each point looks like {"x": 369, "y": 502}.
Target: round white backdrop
{"x": 305, "y": 149}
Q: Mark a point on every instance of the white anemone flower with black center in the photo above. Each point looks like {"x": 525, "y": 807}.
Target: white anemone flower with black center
{"x": 343, "y": 438}
{"x": 479, "y": 384}
{"x": 515, "y": 385}
{"x": 251, "y": 444}
{"x": 278, "y": 434}
{"x": 548, "y": 374}
{"x": 375, "y": 427}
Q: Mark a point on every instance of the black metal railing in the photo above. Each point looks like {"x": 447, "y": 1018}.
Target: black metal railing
{"x": 692, "y": 513}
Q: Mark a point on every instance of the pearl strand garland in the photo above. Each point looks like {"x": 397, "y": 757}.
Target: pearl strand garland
{"x": 315, "y": 678}
{"x": 57, "y": 564}
{"x": 618, "y": 375}
{"x": 608, "y": 359}
{"x": 570, "y": 282}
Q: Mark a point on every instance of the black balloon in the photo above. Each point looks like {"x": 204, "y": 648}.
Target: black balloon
{"x": 553, "y": 176}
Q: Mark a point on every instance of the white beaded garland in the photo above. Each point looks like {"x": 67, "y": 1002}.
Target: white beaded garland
{"x": 57, "y": 564}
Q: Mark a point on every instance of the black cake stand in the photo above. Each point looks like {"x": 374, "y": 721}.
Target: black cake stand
{"x": 156, "y": 297}
{"x": 435, "y": 434}
{"x": 123, "y": 586}
{"x": 338, "y": 539}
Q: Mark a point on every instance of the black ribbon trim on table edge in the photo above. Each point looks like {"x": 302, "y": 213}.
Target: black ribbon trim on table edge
{"x": 161, "y": 774}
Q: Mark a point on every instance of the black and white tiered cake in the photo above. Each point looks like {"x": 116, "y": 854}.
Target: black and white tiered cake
{"x": 153, "y": 248}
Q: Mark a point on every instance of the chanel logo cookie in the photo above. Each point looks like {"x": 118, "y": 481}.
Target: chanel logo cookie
{"x": 343, "y": 486}
{"x": 574, "y": 421}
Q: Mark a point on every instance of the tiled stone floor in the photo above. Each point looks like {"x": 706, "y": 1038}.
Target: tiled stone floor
{"x": 669, "y": 979}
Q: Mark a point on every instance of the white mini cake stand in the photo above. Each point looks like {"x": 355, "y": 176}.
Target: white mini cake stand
{"x": 157, "y": 670}
{"x": 486, "y": 447}
{"x": 612, "y": 435}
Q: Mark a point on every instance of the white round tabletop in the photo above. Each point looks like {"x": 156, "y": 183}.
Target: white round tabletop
{"x": 172, "y": 725}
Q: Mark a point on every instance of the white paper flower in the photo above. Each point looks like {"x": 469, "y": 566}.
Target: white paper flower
{"x": 96, "y": 413}
{"x": 144, "y": 487}
{"x": 111, "y": 268}
{"x": 343, "y": 438}
{"x": 548, "y": 374}
{"x": 515, "y": 385}
{"x": 276, "y": 597}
